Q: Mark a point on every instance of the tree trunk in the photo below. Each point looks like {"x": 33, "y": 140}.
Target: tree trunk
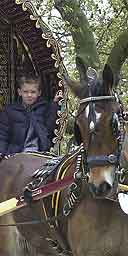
{"x": 82, "y": 35}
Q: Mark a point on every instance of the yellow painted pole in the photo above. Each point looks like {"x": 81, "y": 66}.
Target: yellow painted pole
{"x": 122, "y": 187}
{"x": 10, "y": 206}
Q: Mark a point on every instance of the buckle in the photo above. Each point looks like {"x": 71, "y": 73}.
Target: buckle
{"x": 112, "y": 159}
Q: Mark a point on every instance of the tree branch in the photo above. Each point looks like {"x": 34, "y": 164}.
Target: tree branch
{"x": 82, "y": 35}
{"x": 108, "y": 26}
{"x": 119, "y": 53}
{"x": 126, "y": 4}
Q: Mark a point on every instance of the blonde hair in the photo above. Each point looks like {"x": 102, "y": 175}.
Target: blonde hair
{"x": 29, "y": 78}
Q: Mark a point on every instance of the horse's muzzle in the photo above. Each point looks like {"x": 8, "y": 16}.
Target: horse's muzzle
{"x": 101, "y": 190}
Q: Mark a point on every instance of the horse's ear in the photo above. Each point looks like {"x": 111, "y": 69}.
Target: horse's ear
{"x": 82, "y": 69}
{"x": 73, "y": 85}
{"x": 108, "y": 76}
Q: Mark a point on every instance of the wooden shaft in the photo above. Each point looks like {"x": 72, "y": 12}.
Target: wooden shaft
{"x": 122, "y": 187}
{"x": 10, "y": 206}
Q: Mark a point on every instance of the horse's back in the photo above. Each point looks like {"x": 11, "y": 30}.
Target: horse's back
{"x": 17, "y": 171}
{"x": 15, "y": 174}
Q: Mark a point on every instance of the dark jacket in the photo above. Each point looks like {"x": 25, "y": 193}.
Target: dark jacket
{"x": 15, "y": 122}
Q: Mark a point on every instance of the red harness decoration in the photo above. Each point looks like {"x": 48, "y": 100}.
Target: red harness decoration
{"x": 47, "y": 189}
{"x": 18, "y": 202}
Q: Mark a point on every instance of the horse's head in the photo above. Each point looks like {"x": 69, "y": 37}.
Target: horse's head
{"x": 99, "y": 127}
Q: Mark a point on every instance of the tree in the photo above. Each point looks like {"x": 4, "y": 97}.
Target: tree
{"x": 82, "y": 34}
{"x": 99, "y": 32}
{"x": 98, "y": 28}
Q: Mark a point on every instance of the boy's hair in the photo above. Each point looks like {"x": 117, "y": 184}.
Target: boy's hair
{"x": 29, "y": 78}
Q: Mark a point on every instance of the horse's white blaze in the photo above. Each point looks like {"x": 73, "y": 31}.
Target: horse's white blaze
{"x": 91, "y": 125}
{"x": 87, "y": 111}
{"x": 108, "y": 175}
{"x": 98, "y": 116}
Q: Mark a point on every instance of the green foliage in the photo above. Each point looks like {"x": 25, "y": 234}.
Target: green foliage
{"x": 106, "y": 19}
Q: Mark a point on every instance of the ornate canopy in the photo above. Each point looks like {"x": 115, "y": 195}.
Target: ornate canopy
{"x": 27, "y": 43}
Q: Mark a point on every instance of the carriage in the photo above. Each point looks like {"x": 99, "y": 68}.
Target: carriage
{"x": 73, "y": 209}
{"x": 28, "y": 44}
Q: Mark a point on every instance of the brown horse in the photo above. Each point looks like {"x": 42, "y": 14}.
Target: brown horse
{"x": 86, "y": 220}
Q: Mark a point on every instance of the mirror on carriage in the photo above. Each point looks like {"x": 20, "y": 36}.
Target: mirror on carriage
{"x": 28, "y": 45}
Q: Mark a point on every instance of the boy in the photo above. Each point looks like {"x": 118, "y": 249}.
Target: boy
{"x": 29, "y": 125}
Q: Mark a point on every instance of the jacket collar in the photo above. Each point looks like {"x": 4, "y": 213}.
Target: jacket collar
{"x": 29, "y": 108}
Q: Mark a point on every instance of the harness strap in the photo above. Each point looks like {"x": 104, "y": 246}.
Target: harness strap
{"x": 97, "y": 98}
{"x": 46, "y": 190}
{"x": 35, "y": 195}
{"x": 93, "y": 161}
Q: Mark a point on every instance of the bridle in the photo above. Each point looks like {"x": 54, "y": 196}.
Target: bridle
{"x": 97, "y": 98}
{"x": 84, "y": 162}
{"x": 118, "y": 131}
{"x": 120, "y": 137}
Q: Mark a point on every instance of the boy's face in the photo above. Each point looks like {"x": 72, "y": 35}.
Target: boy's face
{"x": 29, "y": 93}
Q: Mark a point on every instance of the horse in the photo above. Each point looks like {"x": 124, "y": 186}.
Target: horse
{"x": 84, "y": 219}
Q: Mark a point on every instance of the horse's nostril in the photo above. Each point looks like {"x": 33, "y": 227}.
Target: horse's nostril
{"x": 101, "y": 190}
{"x": 104, "y": 187}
